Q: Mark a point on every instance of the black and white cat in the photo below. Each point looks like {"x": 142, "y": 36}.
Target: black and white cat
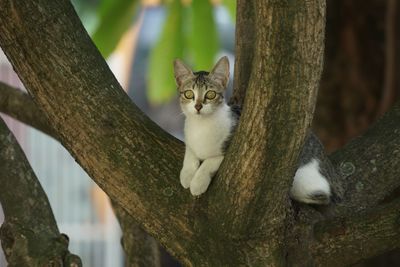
{"x": 209, "y": 124}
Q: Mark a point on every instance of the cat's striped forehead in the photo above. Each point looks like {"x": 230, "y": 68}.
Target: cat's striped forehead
{"x": 201, "y": 80}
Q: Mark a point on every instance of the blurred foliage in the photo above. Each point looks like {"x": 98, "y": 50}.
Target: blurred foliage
{"x": 115, "y": 17}
{"x": 203, "y": 39}
{"x": 161, "y": 83}
{"x": 189, "y": 32}
{"x": 231, "y": 6}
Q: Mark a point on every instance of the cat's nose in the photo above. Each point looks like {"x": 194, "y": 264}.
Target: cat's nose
{"x": 198, "y": 107}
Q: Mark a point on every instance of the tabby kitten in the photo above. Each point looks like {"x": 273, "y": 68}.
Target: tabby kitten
{"x": 209, "y": 124}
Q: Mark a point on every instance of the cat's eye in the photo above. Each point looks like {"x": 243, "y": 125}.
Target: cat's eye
{"x": 188, "y": 94}
{"x": 211, "y": 95}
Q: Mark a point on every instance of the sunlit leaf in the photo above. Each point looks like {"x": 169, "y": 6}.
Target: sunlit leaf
{"x": 203, "y": 37}
{"x": 170, "y": 46}
{"x": 115, "y": 17}
{"x": 231, "y": 6}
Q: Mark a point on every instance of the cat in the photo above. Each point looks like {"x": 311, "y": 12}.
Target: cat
{"x": 209, "y": 124}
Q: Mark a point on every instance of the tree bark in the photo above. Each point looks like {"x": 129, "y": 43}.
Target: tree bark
{"x": 246, "y": 217}
{"x": 380, "y": 226}
{"x": 19, "y": 105}
{"x": 369, "y": 165}
{"x": 244, "y": 50}
{"x": 29, "y": 234}
{"x": 83, "y": 127}
{"x": 280, "y": 84}
{"x": 140, "y": 249}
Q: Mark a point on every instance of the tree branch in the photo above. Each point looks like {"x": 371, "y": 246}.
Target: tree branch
{"x": 107, "y": 134}
{"x": 29, "y": 221}
{"x": 140, "y": 248}
{"x": 364, "y": 223}
{"x": 281, "y": 80}
{"x": 369, "y": 165}
{"x": 346, "y": 241}
{"x": 20, "y": 106}
{"x": 244, "y": 50}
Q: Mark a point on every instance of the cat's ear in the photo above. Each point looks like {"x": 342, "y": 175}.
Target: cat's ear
{"x": 220, "y": 72}
{"x": 182, "y": 72}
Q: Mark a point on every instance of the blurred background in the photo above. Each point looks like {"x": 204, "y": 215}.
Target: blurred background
{"x": 140, "y": 39}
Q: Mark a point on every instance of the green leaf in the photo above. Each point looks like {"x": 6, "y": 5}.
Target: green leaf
{"x": 161, "y": 82}
{"x": 203, "y": 38}
{"x": 115, "y": 17}
{"x": 231, "y": 6}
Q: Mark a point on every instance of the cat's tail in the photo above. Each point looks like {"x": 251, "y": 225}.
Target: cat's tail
{"x": 310, "y": 186}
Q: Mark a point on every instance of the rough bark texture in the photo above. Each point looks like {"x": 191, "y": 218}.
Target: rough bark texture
{"x": 376, "y": 153}
{"x": 29, "y": 234}
{"x": 244, "y": 50}
{"x": 246, "y": 217}
{"x": 343, "y": 239}
{"x": 284, "y": 68}
{"x": 140, "y": 249}
{"x": 19, "y": 105}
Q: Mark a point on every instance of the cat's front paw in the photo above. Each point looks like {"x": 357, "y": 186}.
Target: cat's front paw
{"x": 186, "y": 176}
{"x": 199, "y": 184}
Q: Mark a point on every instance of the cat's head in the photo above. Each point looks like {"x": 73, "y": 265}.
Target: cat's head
{"x": 201, "y": 93}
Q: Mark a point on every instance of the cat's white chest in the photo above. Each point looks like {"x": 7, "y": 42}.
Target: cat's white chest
{"x": 206, "y": 136}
